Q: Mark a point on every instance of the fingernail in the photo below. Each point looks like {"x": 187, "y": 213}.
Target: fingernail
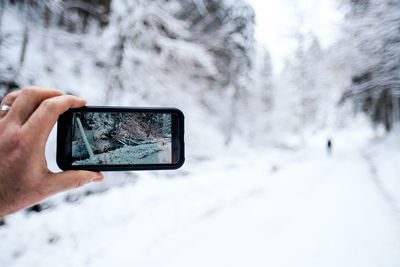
{"x": 97, "y": 179}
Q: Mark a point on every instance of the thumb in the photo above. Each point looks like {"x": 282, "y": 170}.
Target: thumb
{"x": 62, "y": 181}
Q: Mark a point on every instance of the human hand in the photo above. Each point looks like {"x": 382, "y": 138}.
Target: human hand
{"x": 24, "y": 130}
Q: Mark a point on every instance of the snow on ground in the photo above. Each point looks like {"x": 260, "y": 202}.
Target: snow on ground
{"x": 271, "y": 207}
{"x": 148, "y": 153}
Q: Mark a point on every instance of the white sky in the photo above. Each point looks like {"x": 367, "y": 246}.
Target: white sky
{"x": 278, "y": 20}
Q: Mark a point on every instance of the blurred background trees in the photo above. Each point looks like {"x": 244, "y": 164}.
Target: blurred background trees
{"x": 374, "y": 33}
{"x": 202, "y": 56}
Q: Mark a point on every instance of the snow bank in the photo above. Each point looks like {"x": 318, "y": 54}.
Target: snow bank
{"x": 243, "y": 208}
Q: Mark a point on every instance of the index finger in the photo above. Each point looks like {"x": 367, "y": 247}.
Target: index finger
{"x": 46, "y": 115}
{"x": 28, "y": 101}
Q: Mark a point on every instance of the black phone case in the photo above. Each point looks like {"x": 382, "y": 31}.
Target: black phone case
{"x": 64, "y": 140}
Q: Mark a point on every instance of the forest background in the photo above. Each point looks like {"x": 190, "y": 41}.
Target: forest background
{"x": 242, "y": 112}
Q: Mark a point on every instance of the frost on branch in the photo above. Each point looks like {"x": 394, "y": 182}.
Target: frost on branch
{"x": 374, "y": 30}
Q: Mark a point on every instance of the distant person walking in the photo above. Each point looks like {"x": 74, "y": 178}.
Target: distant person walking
{"x": 329, "y": 146}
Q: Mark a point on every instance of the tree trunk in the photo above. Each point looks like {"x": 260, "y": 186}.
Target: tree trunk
{"x": 2, "y": 7}
{"x": 47, "y": 19}
{"x": 396, "y": 108}
{"x": 25, "y": 41}
{"x": 113, "y": 77}
{"x": 85, "y": 140}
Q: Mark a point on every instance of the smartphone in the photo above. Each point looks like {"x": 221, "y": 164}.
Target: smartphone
{"x": 120, "y": 139}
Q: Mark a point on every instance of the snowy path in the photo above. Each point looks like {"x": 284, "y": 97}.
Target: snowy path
{"x": 291, "y": 209}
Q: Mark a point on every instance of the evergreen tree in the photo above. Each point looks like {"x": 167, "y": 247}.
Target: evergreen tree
{"x": 226, "y": 29}
{"x": 304, "y": 74}
{"x": 154, "y": 52}
{"x": 264, "y": 81}
{"x": 374, "y": 29}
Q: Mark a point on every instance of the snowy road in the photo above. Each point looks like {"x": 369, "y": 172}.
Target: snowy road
{"x": 260, "y": 209}
{"x": 148, "y": 153}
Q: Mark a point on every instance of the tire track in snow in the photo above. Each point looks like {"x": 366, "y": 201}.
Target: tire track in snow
{"x": 379, "y": 184}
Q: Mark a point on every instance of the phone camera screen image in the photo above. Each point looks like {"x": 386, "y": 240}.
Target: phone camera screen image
{"x": 121, "y": 138}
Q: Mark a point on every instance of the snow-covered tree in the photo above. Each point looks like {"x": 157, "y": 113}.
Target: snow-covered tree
{"x": 207, "y": 43}
{"x": 373, "y": 29}
{"x": 303, "y": 79}
{"x": 37, "y": 18}
{"x": 191, "y": 54}
{"x": 226, "y": 29}
{"x": 264, "y": 79}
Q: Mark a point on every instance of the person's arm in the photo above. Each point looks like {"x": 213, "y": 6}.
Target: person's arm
{"x": 24, "y": 130}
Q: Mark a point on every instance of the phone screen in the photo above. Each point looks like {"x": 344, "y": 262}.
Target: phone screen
{"x": 121, "y": 138}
